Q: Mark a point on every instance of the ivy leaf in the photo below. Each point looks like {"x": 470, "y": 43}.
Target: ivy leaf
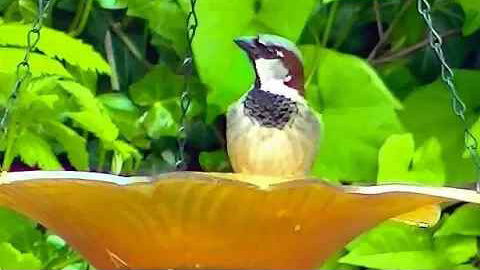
{"x": 56, "y": 44}
{"x": 34, "y": 150}
{"x": 464, "y": 221}
{"x": 123, "y": 113}
{"x": 472, "y": 16}
{"x": 428, "y": 114}
{"x": 40, "y": 64}
{"x": 216, "y": 161}
{"x": 170, "y": 25}
{"x": 399, "y": 160}
{"x": 404, "y": 246}
{"x": 358, "y": 113}
{"x": 159, "y": 84}
{"x": 11, "y": 258}
{"x": 73, "y": 143}
{"x": 160, "y": 120}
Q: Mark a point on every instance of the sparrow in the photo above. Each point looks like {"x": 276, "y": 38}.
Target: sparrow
{"x": 271, "y": 130}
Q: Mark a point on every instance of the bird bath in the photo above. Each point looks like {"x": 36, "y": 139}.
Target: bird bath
{"x": 194, "y": 220}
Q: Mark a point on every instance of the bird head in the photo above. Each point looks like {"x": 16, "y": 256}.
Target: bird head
{"x": 275, "y": 59}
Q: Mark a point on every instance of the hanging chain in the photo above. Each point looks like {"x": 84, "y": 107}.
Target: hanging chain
{"x": 185, "y": 100}
{"x": 458, "y": 106}
{"x": 23, "y": 68}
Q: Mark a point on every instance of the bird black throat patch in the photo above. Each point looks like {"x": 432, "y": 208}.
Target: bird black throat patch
{"x": 268, "y": 109}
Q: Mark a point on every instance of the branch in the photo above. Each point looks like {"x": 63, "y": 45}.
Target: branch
{"x": 389, "y": 31}
{"x": 411, "y": 49}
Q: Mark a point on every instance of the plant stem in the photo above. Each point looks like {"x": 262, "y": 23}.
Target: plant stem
{"x": 81, "y": 18}
{"x": 378, "y": 18}
{"x": 389, "y": 31}
{"x": 331, "y": 18}
{"x": 117, "y": 29}
{"x": 411, "y": 49}
{"x": 111, "y": 60}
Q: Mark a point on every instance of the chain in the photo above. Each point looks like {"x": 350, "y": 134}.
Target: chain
{"x": 23, "y": 68}
{"x": 185, "y": 100}
{"x": 458, "y": 106}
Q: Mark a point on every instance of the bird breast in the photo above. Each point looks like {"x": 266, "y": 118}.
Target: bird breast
{"x": 266, "y": 138}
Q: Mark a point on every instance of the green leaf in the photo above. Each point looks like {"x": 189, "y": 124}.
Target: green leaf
{"x": 161, "y": 119}
{"x": 272, "y": 14}
{"x": 93, "y": 117}
{"x": 464, "y": 221}
{"x": 34, "y": 150}
{"x": 13, "y": 224}
{"x": 11, "y": 258}
{"x": 113, "y": 4}
{"x": 216, "y": 161}
{"x": 73, "y": 143}
{"x": 399, "y": 162}
{"x": 472, "y": 16}
{"x": 457, "y": 248}
{"x": 157, "y": 85}
{"x": 428, "y": 114}
{"x": 56, "y": 44}
{"x": 40, "y": 64}
{"x": 170, "y": 24}
{"x": 123, "y": 113}
{"x": 358, "y": 113}
{"x": 395, "y": 244}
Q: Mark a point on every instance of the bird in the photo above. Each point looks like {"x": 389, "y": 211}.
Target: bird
{"x": 271, "y": 130}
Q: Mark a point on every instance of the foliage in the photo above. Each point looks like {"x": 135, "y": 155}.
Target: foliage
{"x": 105, "y": 82}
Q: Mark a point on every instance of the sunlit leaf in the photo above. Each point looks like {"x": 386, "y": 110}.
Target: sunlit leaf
{"x": 56, "y": 44}
{"x": 428, "y": 114}
{"x": 358, "y": 113}
{"x": 472, "y": 16}
{"x": 34, "y": 150}
{"x": 464, "y": 221}
{"x": 11, "y": 258}
{"x": 400, "y": 162}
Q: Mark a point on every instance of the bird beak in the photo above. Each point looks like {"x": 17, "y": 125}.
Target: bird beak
{"x": 246, "y": 43}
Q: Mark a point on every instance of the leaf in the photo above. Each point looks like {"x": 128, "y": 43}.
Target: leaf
{"x": 170, "y": 25}
{"x": 457, "y": 249}
{"x": 428, "y": 114}
{"x": 56, "y": 44}
{"x": 472, "y": 16}
{"x": 73, "y": 143}
{"x": 113, "y": 4}
{"x": 272, "y": 13}
{"x": 400, "y": 163}
{"x": 216, "y": 161}
{"x": 123, "y": 113}
{"x": 464, "y": 221}
{"x": 157, "y": 85}
{"x": 395, "y": 244}
{"x": 11, "y": 258}
{"x": 13, "y": 224}
{"x": 161, "y": 119}
{"x": 34, "y": 150}
{"x": 358, "y": 113}
{"x": 40, "y": 65}
{"x": 92, "y": 117}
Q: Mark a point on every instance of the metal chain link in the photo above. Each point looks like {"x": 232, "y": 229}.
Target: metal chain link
{"x": 185, "y": 100}
{"x": 23, "y": 68}
{"x": 447, "y": 75}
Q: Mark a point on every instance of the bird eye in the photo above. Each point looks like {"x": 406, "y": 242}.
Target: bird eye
{"x": 280, "y": 54}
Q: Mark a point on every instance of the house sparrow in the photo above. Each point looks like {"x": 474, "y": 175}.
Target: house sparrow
{"x": 271, "y": 130}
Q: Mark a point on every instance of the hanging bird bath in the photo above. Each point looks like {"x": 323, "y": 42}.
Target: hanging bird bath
{"x": 189, "y": 220}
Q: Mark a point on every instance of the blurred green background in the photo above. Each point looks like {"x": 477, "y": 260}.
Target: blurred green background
{"x": 105, "y": 89}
